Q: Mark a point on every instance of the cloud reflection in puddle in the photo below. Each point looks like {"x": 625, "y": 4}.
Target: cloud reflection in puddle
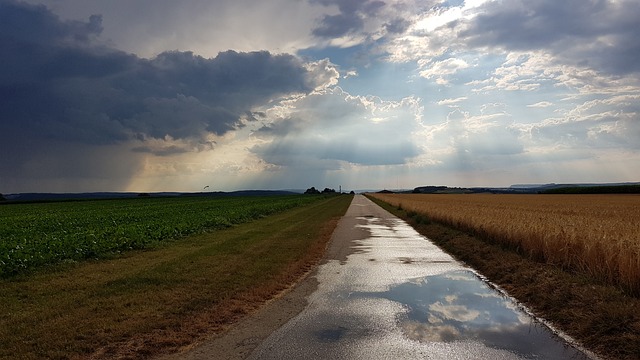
{"x": 458, "y": 306}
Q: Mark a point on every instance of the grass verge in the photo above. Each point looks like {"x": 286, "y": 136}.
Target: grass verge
{"x": 601, "y": 317}
{"x": 150, "y": 302}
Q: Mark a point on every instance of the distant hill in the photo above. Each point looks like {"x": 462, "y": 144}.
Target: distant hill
{"x": 556, "y": 186}
{"x": 598, "y": 189}
{"x": 591, "y": 188}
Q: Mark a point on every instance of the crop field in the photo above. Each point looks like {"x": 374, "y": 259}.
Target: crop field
{"x": 37, "y": 234}
{"x": 594, "y": 234}
{"x": 146, "y": 303}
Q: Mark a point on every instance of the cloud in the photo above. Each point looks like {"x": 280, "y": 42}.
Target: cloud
{"x": 609, "y": 123}
{"x": 537, "y": 82}
{"x": 60, "y": 83}
{"x": 350, "y": 73}
{"x": 562, "y": 69}
{"x": 477, "y": 136}
{"x": 349, "y": 19}
{"x": 148, "y": 27}
{"x": 441, "y": 69}
{"x": 468, "y": 142}
{"x": 332, "y": 128}
{"x": 178, "y": 94}
{"x": 397, "y": 26}
{"x": 597, "y": 34}
{"x": 541, "y": 104}
{"x": 338, "y": 25}
{"x": 573, "y": 43}
{"x": 452, "y": 102}
{"x": 349, "y": 23}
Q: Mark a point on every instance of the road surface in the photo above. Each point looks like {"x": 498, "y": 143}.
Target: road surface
{"x": 386, "y": 292}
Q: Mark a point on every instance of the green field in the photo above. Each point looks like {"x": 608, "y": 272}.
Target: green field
{"x": 37, "y": 234}
{"x": 143, "y": 303}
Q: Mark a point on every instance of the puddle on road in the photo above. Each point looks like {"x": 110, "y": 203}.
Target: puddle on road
{"x": 458, "y": 306}
{"x": 447, "y": 303}
{"x": 399, "y": 296}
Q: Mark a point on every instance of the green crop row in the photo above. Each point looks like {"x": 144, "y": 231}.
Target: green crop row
{"x": 33, "y": 235}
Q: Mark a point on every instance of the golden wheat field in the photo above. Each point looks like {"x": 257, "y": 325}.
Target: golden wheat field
{"x": 595, "y": 234}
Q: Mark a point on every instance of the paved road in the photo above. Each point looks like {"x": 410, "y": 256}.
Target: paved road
{"x": 386, "y": 292}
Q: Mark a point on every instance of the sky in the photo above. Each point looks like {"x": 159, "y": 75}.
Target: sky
{"x": 163, "y": 95}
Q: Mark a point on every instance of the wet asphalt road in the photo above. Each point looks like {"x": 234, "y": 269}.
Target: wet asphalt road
{"x": 386, "y": 292}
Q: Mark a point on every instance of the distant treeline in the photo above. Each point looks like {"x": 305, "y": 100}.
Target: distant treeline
{"x": 617, "y": 189}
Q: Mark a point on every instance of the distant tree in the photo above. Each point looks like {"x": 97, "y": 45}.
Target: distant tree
{"x": 312, "y": 190}
{"x": 352, "y": 192}
{"x": 328, "y": 191}
{"x": 2, "y": 198}
{"x": 144, "y": 195}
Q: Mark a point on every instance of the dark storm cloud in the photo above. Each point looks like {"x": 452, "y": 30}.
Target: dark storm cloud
{"x": 397, "y": 26}
{"x": 58, "y": 81}
{"x": 79, "y": 114}
{"x": 338, "y": 25}
{"x": 349, "y": 20}
{"x": 36, "y": 24}
{"x": 595, "y": 33}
